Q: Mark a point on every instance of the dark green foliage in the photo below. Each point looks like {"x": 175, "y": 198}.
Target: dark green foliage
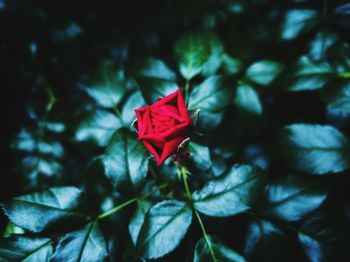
{"x": 24, "y": 248}
{"x": 46, "y": 210}
{"x": 231, "y": 193}
{"x": 85, "y": 244}
{"x": 222, "y": 253}
{"x": 164, "y": 226}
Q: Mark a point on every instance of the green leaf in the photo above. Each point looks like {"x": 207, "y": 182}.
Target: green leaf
{"x": 200, "y": 156}
{"x": 261, "y": 237}
{"x": 126, "y": 162}
{"x": 155, "y": 79}
{"x": 247, "y": 100}
{"x": 107, "y": 86}
{"x": 45, "y": 210}
{"x": 213, "y": 95}
{"x": 298, "y": 21}
{"x": 209, "y": 121}
{"x": 165, "y": 225}
{"x": 231, "y": 65}
{"x": 338, "y": 97}
{"x": 84, "y": 244}
{"x": 291, "y": 198}
{"x": 98, "y": 126}
{"x": 320, "y": 44}
{"x": 216, "y": 56}
{"x": 222, "y": 253}
{"x": 194, "y": 114}
{"x": 133, "y": 102}
{"x": 38, "y": 157}
{"x": 26, "y": 249}
{"x": 12, "y": 229}
{"x": 137, "y": 219}
{"x": 315, "y": 149}
{"x": 231, "y": 193}
{"x": 310, "y": 75}
{"x": 263, "y": 72}
{"x": 191, "y": 51}
{"x": 324, "y": 237}
{"x": 339, "y": 57}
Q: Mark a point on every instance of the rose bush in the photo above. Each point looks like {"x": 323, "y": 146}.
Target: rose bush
{"x": 164, "y": 125}
{"x": 268, "y": 163}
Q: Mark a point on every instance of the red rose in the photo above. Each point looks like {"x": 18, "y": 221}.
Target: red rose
{"x": 164, "y": 125}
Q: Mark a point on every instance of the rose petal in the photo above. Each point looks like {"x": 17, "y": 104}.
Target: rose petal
{"x": 170, "y": 148}
{"x": 175, "y": 130}
{"x": 170, "y": 99}
{"x": 172, "y": 111}
{"x": 139, "y": 115}
{"x": 155, "y": 140}
{"x": 152, "y": 150}
{"x": 182, "y": 106}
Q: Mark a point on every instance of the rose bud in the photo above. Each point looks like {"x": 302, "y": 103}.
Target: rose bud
{"x": 164, "y": 125}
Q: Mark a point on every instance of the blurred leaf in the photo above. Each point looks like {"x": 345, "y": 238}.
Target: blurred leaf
{"x": 213, "y": 95}
{"x": 126, "y": 162}
{"x": 247, "y": 100}
{"x": 320, "y": 44}
{"x": 45, "y": 210}
{"x": 98, "y": 126}
{"x": 339, "y": 57}
{"x": 84, "y": 244}
{"x": 56, "y": 127}
{"x": 165, "y": 225}
{"x": 25, "y": 248}
{"x": 338, "y": 97}
{"x": 155, "y": 79}
{"x": 137, "y": 219}
{"x": 194, "y": 114}
{"x": 133, "y": 102}
{"x": 298, "y": 21}
{"x": 200, "y": 156}
{"x": 207, "y": 121}
{"x": 107, "y": 86}
{"x": 39, "y": 155}
{"x": 12, "y": 229}
{"x": 215, "y": 58}
{"x": 315, "y": 149}
{"x": 342, "y": 15}
{"x": 261, "y": 236}
{"x": 263, "y": 72}
{"x": 291, "y": 198}
{"x": 192, "y": 50}
{"x": 324, "y": 237}
{"x": 310, "y": 75}
{"x": 231, "y": 65}
{"x": 222, "y": 253}
{"x": 231, "y": 193}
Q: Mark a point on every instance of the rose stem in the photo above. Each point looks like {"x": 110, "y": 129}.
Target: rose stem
{"x": 117, "y": 208}
{"x": 184, "y": 172}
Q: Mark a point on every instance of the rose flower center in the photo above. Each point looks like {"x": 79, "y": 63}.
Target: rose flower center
{"x": 162, "y": 118}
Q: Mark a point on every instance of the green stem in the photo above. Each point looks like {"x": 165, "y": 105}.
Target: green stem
{"x": 42, "y": 125}
{"x": 345, "y": 75}
{"x": 184, "y": 171}
{"x": 153, "y": 173}
{"x": 205, "y": 235}
{"x": 187, "y": 87}
{"x": 184, "y": 175}
{"x": 117, "y": 113}
{"x": 117, "y": 208}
